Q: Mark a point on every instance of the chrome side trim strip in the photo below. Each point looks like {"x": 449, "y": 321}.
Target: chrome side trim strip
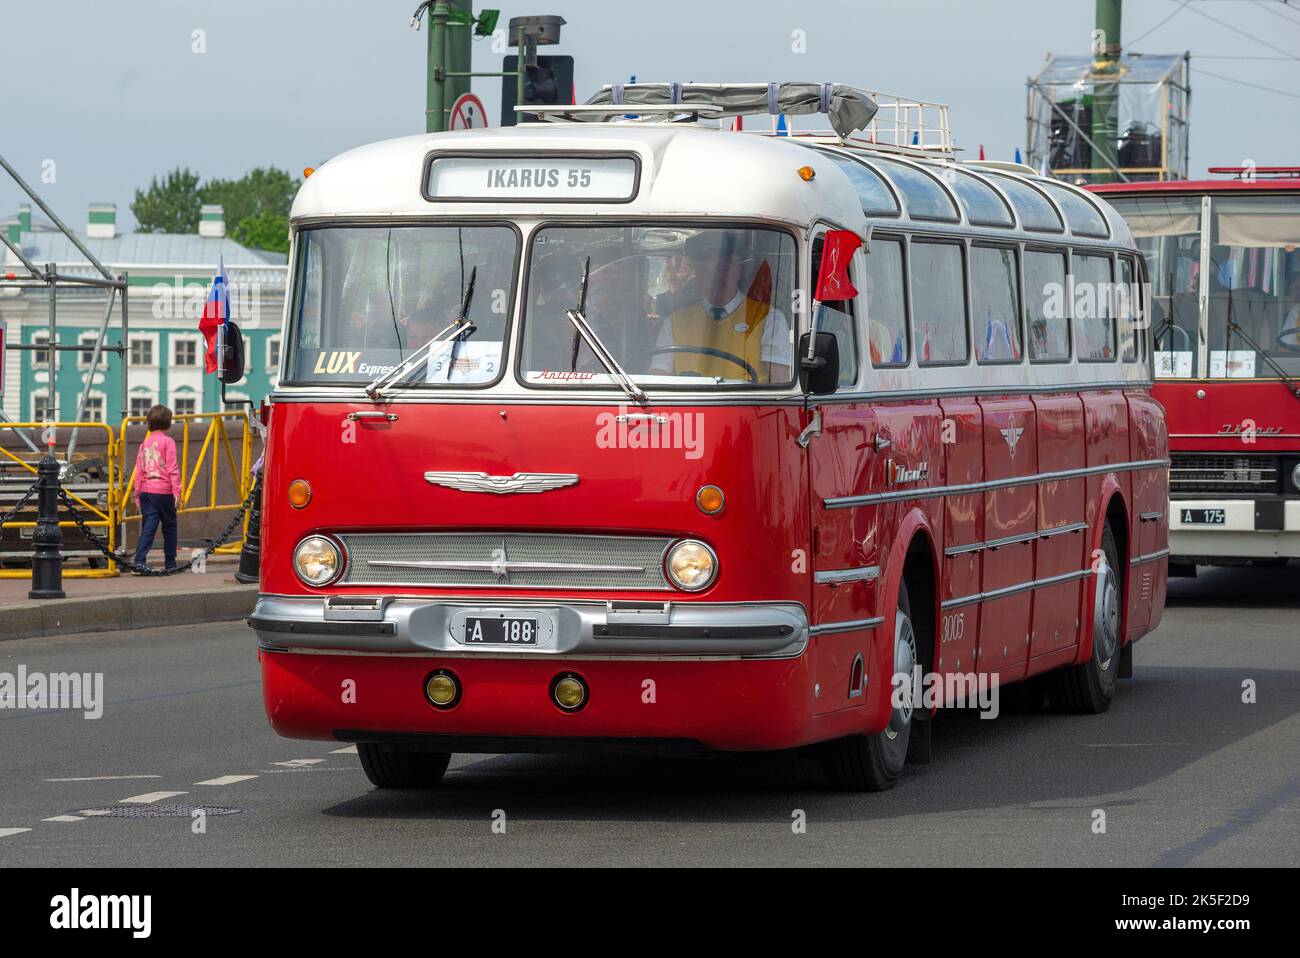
{"x": 935, "y": 492}
{"x": 834, "y": 576}
{"x": 848, "y": 626}
{"x": 1040, "y": 534}
{"x": 1010, "y": 540}
{"x": 1005, "y": 591}
{"x": 1149, "y": 557}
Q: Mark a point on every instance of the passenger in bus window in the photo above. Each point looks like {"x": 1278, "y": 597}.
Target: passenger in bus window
{"x": 1291, "y": 321}
{"x": 737, "y": 330}
{"x": 552, "y": 292}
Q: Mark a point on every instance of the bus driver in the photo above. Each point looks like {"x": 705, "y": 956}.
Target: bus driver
{"x": 727, "y": 332}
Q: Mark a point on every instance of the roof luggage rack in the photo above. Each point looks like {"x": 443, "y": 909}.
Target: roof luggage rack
{"x": 863, "y": 118}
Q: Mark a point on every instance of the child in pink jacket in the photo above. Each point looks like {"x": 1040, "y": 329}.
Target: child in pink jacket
{"x": 157, "y": 487}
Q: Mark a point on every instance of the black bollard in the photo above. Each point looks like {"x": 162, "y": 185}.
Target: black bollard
{"x": 251, "y": 555}
{"x": 47, "y": 563}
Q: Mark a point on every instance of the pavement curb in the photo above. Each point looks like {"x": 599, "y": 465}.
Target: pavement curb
{"x": 116, "y": 613}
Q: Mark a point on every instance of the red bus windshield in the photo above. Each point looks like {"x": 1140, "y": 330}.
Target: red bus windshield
{"x": 1244, "y": 263}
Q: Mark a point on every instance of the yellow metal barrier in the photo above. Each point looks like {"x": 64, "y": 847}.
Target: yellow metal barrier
{"x": 105, "y": 517}
{"x": 217, "y": 440}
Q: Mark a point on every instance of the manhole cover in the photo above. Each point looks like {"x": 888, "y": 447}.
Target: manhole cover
{"x": 156, "y": 811}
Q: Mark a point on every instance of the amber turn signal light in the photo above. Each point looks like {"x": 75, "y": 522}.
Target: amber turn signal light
{"x": 299, "y": 493}
{"x": 710, "y": 500}
{"x": 806, "y": 173}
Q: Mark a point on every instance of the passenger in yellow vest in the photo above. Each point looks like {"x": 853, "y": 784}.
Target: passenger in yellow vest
{"x": 726, "y": 321}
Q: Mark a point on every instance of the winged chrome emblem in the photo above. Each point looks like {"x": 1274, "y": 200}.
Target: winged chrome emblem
{"x": 502, "y": 485}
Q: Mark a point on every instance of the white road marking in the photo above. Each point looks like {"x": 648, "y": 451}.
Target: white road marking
{"x": 100, "y": 778}
{"x": 350, "y": 750}
{"x": 6, "y": 832}
{"x": 148, "y": 798}
{"x": 64, "y": 818}
{"x": 299, "y": 762}
{"x": 94, "y": 811}
{"x": 226, "y": 780}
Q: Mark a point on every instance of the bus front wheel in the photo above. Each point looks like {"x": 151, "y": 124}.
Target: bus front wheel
{"x": 389, "y": 767}
{"x": 873, "y": 763}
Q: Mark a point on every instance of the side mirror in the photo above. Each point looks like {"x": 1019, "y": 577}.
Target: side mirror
{"x": 820, "y": 373}
{"x": 232, "y": 360}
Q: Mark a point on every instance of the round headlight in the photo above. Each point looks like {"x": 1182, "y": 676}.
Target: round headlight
{"x": 317, "y": 560}
{"x": 1295, "y": 476}
{"x": 691, "y": 565}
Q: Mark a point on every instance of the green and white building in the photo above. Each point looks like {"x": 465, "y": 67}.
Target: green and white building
{"x": 168, "y": 276}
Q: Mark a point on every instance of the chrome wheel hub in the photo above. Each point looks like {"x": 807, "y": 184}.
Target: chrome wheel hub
{"x": 904, "y": 664}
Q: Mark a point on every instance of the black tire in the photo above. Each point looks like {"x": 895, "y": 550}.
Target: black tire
{"x": 873, "y": 763}
{"x": 388, "y": 767}
{"x": 1090, "y": 687}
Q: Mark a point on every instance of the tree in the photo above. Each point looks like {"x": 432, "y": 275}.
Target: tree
{"x": 171, "y": 206}
{"x": 255, "y": 206}
{"x": 258, "y": 192}
{"x": 267, "y": 230}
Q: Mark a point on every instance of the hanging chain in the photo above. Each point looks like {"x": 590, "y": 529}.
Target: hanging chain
{"x": 9, "y": 516}
{"x": 130, "y": 564}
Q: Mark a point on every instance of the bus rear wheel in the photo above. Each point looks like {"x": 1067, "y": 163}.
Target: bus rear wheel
{"x": 389, "y": 767}
{"x": 1090, "y": 687}
{"x": 873, "y": 763}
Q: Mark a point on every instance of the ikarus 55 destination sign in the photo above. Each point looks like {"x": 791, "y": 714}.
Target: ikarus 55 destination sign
{"x": 589, "y": 178}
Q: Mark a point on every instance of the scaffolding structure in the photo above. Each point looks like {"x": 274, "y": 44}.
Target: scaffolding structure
{"x": 48, "y": 277}
{"x": 1142, "y": 100}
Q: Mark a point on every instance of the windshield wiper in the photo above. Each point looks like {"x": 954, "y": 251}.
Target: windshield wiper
{"x": 579, "y": 320}
{"x": 466, "y": 328}
{"x": 459, "y": 328}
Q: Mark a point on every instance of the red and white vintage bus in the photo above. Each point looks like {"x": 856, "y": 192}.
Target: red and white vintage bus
{"x": 626, "y": 499}
{"x": 1224, "y": 256}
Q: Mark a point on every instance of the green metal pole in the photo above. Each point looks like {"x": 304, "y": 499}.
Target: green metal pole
{"x": 435, "y": 119}
{"x": 460, "y": 32}
{"x": 1105, "y": 101}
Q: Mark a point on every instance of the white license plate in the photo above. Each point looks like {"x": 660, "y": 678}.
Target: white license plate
{"x": 1202, "y": 517}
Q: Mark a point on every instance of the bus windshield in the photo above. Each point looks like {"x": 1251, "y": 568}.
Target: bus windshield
{"x": 365, "y": 297}
{"x": 1251, "y": 283}
{"x": 672, "y": 304}
{"x": 1254, "y": 286}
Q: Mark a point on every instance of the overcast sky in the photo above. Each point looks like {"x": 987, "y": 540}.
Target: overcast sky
{"x": 113, "y": 93}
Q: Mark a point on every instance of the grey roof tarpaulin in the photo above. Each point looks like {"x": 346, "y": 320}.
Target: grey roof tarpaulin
{"x": 847, "y": 108}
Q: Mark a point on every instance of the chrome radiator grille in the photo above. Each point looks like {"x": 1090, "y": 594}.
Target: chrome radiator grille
{"x": 505, "y": 560}
{"x": 1191, "y": 474}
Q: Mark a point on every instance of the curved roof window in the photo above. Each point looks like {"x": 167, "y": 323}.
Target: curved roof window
{"x": 983, "y": 205}
{"x": 1035, "y": 212}
{"x": 877, "y": 199}
{"x": 1084, "y": 218}
{"x": 924, "y": 197}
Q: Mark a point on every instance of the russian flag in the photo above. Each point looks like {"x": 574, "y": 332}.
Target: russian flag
{"x": 216, "y": 311}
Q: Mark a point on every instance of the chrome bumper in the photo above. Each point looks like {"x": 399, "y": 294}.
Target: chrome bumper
{"x": 390, "y": 624}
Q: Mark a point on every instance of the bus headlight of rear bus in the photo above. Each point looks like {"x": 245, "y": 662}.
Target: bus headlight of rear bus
{"x": 1295, "y": 477}
{"x": 317, "y": 561}
{"x": 691, "y": 565}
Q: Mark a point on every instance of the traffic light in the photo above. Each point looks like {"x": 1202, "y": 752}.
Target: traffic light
{"x": 549, "y": 82}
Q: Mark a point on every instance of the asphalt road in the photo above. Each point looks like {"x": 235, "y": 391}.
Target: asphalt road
{"x": 1185, "y": 772}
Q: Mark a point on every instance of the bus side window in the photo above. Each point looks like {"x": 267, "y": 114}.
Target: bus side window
{"x": 886, "y": 303}
{"x": 938, "y": 303}
{"x": 1128, "y": 310}
{"x": 1046, "y": 307}
{"x": 1094, "y": 327}
{"x": 995, "y": 302}
{"x": 836, "y": 316}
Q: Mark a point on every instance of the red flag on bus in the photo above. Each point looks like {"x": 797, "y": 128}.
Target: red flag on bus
{"x": 833, "y": 278}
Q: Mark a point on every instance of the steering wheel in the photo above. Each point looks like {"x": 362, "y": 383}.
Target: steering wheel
{"x": 1289, "y": 340}
{"x": 732, "y": 358}
{"x": 1187, "y": 338}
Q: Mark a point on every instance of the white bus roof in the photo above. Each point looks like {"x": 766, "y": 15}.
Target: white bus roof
{"x": 685, "y": 170}
{"x": 694, "y": 170}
